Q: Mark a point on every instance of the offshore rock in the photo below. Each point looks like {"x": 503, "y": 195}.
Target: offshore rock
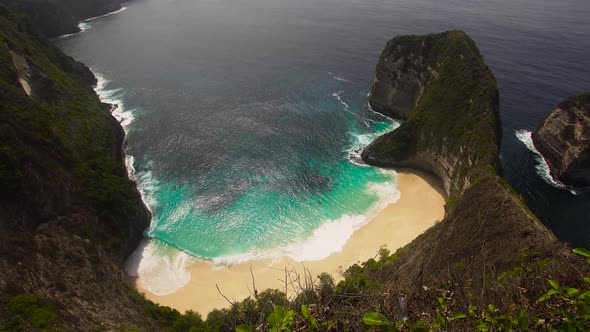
{"x": 563, "y": 138}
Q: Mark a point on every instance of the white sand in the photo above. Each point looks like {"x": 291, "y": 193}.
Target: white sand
{"x": 420, "y": 206}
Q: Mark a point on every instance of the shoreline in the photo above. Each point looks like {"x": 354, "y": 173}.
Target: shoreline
{"x": 420, "y": 206}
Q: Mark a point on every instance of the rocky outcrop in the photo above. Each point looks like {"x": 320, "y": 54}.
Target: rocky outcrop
{"x": 448, "y": 98}
{"x": 59, "y": 17}
{"x": 35, "y": 84}
{"x": 563, "y": 138}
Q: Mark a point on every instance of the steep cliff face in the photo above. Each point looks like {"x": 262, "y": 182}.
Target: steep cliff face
{"x": 68, "y": 213}
{"x": 448, "y": 98}
{"x": 59, "y": 17}
{"x": 563, "y": 138}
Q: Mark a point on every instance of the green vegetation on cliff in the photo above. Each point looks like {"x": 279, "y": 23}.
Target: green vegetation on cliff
{"x": 69, "y": 215}
{"x": 63, "y": 153}
{"x": 451, "y": 125}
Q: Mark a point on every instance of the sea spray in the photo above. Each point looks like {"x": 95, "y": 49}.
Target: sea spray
{"x": 86, "y": 24}
{"x": 330, "y": 237}
{"x": 115, "y": 97}
{"x": 542, "y": 167}
{"x": 165, "y": 273}
{"x": 160, "y": 269}
{"x": 360, "y": 141}
{"x": 338, "y": 78}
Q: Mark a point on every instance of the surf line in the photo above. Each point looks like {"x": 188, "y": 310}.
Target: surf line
{"x": 346, "y": 107}
{"x": 85, "y": 25}
{"x": 542, "y": 167}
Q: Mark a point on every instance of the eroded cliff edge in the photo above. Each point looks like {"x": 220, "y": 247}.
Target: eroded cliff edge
{"x": 68, "y": 213}
{"x": 563, "y": 138}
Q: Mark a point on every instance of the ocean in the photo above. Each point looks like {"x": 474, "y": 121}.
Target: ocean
{"x": 244, "y": 119}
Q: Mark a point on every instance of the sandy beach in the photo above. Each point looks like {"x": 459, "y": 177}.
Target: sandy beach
{"x": 420, "y": 206}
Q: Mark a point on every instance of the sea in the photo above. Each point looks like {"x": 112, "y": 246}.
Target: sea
{"x": 245, "y": 119}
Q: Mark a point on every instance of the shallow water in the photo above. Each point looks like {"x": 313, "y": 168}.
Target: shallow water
{"x": 242, "y": 116}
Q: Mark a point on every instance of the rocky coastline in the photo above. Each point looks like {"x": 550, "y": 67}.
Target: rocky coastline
{"x": 55, "y": 18}
{"x": 563, "y": 138}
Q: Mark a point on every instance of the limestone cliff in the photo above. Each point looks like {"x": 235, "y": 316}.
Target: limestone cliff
{"x": 59, "y": 17}
{"x": 563, "y": 138}
{"x": 448, "y": 98}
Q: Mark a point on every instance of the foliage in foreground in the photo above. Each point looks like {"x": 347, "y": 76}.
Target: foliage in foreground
{"x": 325, "y": 306}
{"x": 321, "y": 307}
{"x": 569, "y": 310}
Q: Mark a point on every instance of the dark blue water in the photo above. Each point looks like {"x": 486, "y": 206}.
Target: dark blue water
{"x": 245, "y": 113}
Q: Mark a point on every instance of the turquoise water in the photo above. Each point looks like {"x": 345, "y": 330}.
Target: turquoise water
{"x": 265, "y": 214}
{"x": 241, "y": 116}
{"x": 285, "y": 183}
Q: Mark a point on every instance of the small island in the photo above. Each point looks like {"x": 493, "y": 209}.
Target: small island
{"x": 563, "y": 138}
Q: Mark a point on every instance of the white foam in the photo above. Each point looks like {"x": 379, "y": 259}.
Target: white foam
{"x": 542, "y": 167}
{"x": 163, "y": 270}
{"x": 115, "y": 98}
{"x": 160, "y": 269}
{"x": 346, "y": 107}
{"x": 341, "y": 79}
{"x": 105, "y": 15}
{"x": 377, "y": 113}
{"x": 361, "y": 141}
{"x": 330, "y": 237}
{"x": 145, "y": 181}
{"x": 85, "y": 25}
{"x": 337, "y": 96}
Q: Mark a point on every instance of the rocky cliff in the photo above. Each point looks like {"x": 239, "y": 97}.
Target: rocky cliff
{"x": 563, "y": 138}
{"x": 68, "y": 213}
{"x": 440, "y": 85}
{"x": 59, "y": 17}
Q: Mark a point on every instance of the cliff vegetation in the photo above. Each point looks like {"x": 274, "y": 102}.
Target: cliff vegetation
{"x": 68, "y": 213}
{"x": 447, "y": 96}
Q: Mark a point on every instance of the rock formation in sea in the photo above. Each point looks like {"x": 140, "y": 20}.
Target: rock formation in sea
{"x": 563, "y": 138}
{"x": 59, "y": 17}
